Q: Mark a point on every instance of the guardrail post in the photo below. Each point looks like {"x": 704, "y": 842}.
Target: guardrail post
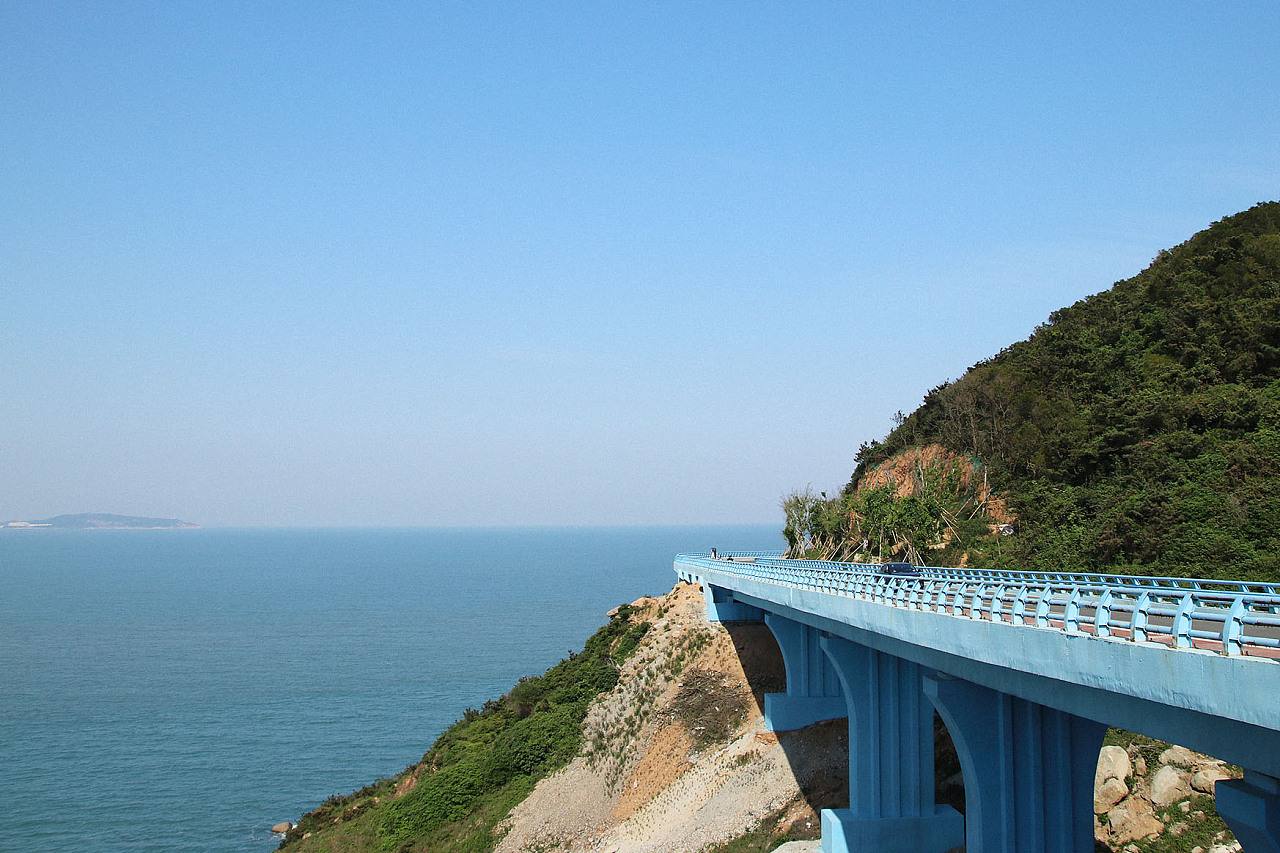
{"x": 975, "y": 602}
{"x": 891, "y": 780}
{"x": 1020, "y": 606}
{"x": 1181, "y": 629}
{"x": 1141, "y": 611}
{"x": 1102, "y": 615}
{"x": 997, "y": 604}
{"x": 1071, "y": 613}
{"x": 1233, "y": 628}
{"x": 1043, "y": 603}
{"x": 1028, "y": 769}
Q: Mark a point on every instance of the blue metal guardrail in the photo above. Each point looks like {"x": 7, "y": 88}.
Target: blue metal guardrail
{"x": 1230, "y": 617}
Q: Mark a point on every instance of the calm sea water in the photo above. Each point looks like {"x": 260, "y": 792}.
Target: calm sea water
{"x": 184, "y": 690}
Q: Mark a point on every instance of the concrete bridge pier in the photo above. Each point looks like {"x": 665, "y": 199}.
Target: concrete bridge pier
{"x": 722, "y": 608}
{"x": 1028, "y": 769}
{"x": 1251, "y": 807}
{"x": 891, "y": 784}
{"x": 813, "y": 689}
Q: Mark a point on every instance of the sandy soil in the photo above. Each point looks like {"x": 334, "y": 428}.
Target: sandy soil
{"x": 676, "y": 757}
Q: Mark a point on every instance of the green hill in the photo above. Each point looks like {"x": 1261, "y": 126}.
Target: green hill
{"x": 1136, "y": 430}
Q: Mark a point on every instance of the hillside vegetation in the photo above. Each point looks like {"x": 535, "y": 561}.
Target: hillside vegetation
{"x": 480, "y": 766}
{"x": 1136, "y": 430}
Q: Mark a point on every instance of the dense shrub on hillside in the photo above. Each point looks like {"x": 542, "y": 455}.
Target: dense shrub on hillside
{"x": 499, "y": 751}
{"x": 1140, "y": 427}
{"x": 939, "y": 513}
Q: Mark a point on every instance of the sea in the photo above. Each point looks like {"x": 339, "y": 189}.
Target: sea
{"x": 186, "y": 689}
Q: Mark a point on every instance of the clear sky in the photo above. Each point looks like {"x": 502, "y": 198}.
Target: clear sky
{"x": 539, "y": 263}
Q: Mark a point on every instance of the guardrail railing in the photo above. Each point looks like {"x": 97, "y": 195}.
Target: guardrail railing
{"x": 758, "y": 555}
{"x": 1230, "y": 617}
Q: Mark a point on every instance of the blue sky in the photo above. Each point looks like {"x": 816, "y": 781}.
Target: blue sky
{"x": 420, "y": 264}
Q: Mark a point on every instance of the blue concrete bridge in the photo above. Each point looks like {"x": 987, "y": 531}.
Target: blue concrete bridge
{"x": 1026, "y": 670}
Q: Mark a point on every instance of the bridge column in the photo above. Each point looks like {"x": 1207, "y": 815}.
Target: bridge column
{"x": 722, "y": 608}
{"x": 1028, "y": 769}
{"x": 1251, "y": 807}
{"x": 813, "y": 689}
{"x": 891, "y": 784}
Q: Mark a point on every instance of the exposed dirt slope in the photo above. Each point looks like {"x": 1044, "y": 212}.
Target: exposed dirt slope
{"x": 678, "y": 760}
{"x": 677, "y": 757}
{"x": 903, "y": 471}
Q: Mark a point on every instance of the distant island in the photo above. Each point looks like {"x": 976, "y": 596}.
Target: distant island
{"x": 101, "y": 521}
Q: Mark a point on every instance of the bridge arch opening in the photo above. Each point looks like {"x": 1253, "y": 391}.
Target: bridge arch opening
{"x": 948, "y": 788}
{"x": 816, "y": 754}
{"x": 1027, "y": 711}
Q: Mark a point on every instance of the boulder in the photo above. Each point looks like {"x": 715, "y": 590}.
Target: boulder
{"x": 282, "y": 827}
{"x": 1132, "y": 819}
{"x": 1140, "y": 766}
{"x": 1113, "y": 763}
{"x": 1205, "y": 778}
{"x": 1106, "y": 795}
{"x": 1180, "y": 755}
{"x": 1169, "y": 785}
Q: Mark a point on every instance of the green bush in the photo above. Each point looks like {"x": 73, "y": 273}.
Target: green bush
{"x": 491, "y": 755}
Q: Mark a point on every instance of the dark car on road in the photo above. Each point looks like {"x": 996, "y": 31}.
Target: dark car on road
{"x": 899, "y": 569}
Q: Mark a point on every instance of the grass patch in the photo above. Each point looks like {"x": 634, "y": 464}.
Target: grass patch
{"x": 348, "y": 811}
{"x": 709, "y": 707}
{"x": 767, "y": 835}
{"x": 627, "y": 643}
{"x": 1202, "y": 830}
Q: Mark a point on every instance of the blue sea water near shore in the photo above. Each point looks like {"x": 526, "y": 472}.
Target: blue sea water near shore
{"x": 183, "y": 690}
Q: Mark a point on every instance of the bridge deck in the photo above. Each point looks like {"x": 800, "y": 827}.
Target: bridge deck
{"x": 1228, "y": 616}
{"x": 1189, "y": 661}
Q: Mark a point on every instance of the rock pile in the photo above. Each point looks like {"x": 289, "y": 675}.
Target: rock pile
{"x": 1140, "y": 796}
